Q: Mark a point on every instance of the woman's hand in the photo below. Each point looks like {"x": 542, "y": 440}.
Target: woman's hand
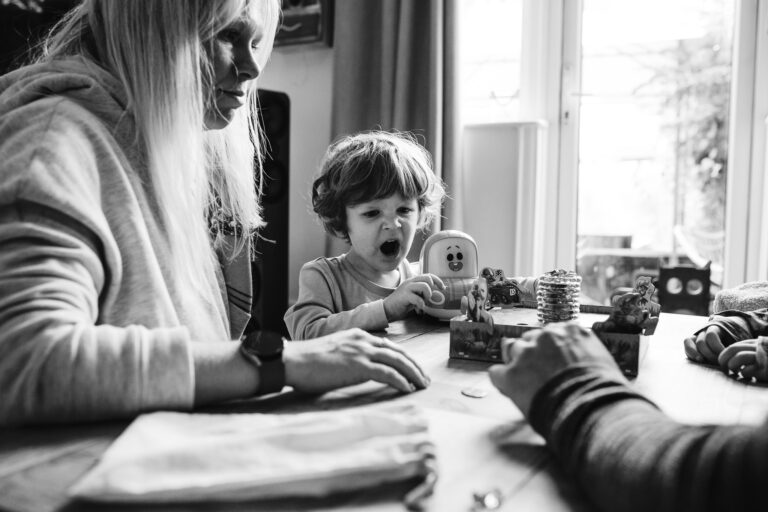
{"x": 350, "y": 357}
{"x": 748, "y": 358}
{"x": 534, "y": 359}
{"x": 705, "y": 347}
{"x": 411, "y": 294}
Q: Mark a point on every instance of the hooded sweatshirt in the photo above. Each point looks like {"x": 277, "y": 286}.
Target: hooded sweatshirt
{"x": 91, "y": 326}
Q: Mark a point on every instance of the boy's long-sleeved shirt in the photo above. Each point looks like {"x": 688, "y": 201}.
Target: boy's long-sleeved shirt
{"x": 334, "y": 296}
{"x": 739, "y": 325}
{"x": 630, "y": 456}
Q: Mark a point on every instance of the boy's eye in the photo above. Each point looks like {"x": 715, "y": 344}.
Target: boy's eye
{"x": 405, "y": 210}
{"x": 370, "y": 214}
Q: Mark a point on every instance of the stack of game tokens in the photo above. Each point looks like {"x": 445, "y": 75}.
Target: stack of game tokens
{"x": 557, "y": 296}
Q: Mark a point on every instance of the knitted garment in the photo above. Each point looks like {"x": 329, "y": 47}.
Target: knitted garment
{"x": 745, "y": 297}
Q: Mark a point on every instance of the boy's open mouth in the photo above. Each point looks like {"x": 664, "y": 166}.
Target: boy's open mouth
{"x": 390, "y": 247}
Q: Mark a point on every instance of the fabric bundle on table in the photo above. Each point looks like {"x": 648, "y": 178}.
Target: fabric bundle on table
{"x": 179, "y": 457}
{"x": 744, "y": 297}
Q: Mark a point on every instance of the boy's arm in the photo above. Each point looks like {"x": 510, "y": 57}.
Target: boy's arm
{"x": 316, "y": 313}
{"x": 738, "y": 325}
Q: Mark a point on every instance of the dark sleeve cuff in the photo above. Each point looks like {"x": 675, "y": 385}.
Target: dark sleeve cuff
{"x": 738, "y": 325}
{"x": 563, "y": 404}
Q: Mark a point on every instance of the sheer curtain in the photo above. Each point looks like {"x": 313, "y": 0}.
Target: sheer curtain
{"x": 394, "y": 67}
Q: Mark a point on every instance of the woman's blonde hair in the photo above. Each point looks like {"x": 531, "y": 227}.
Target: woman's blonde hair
{"x": 160, "y": 51}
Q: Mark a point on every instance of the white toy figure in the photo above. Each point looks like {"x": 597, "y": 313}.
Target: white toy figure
{"x": 452, "y": 256}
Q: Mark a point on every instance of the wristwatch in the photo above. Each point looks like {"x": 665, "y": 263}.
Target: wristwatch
{"x": 264, "y": 350}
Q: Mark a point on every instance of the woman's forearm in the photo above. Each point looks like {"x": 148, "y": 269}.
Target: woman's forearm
{"x": 221, "y": 373}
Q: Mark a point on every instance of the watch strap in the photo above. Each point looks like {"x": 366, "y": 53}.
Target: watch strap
{"x": 271, "y": 366}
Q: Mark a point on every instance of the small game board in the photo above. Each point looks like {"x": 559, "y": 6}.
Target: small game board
{"x": 482, "y": 342}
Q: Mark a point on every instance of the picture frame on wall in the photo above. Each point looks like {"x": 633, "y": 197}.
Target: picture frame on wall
{"x": 306, "y": 22}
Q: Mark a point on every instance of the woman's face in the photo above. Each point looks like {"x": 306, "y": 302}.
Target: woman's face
{"x": 234, "y": 58}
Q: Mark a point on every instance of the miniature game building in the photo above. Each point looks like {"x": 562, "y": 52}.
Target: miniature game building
{"x": 501, "y": 291}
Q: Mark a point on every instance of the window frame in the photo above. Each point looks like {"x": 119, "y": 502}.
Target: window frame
{"x": 746, "y": 251}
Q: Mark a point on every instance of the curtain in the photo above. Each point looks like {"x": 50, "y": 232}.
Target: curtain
{"x": 394, "y": 69}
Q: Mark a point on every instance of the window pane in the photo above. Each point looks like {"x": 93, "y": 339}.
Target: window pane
{"x": 489, "y": 46}
{"x": 653, "y": 138}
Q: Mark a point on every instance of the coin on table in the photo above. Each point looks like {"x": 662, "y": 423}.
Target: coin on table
{"x": 474, "y": 392}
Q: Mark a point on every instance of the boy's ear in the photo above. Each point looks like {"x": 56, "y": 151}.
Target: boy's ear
{"x": 422, "y": 218}
{"x": 341, "y": 233}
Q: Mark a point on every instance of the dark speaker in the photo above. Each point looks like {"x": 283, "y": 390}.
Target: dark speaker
{"x": 22, "y": 28}
{"x": 270, "y": 268}
{"x": 684, "y": 290}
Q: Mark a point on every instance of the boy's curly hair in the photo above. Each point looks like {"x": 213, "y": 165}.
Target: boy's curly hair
{"x": 374, "y": 165}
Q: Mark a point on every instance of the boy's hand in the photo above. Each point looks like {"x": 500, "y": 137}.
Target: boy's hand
{"x": 705, "y": 347}
{"x": 749, "y": 358}
{"x": 411, "y": 294}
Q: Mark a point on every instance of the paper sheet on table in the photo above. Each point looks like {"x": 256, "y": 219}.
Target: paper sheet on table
{"x": 178, "y": 457}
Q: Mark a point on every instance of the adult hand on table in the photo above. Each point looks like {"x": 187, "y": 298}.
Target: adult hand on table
{"x": 534, "y": 359}
{"x": 748, "y": 358}
{"x": 706, "y": 346}
{"x": 350, "y": 357}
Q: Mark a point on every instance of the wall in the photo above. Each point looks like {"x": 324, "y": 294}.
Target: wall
{"x": 503, "y": 193}
{"x": 304, "y": 73}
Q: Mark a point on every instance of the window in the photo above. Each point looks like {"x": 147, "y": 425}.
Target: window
{"x": 655, "y": 132}
{"x": 653, "y": 139}
{"x": 490, "y": 60}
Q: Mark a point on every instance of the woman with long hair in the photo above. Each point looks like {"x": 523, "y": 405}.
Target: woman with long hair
{"x": 127, "y": 202}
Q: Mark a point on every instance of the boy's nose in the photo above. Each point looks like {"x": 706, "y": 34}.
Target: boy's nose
{"x": 393, "y": 223}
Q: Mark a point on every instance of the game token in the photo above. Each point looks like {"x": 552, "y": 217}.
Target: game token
{"x": 474, "y": 392}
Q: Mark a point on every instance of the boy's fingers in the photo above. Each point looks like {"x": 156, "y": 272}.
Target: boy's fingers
{"x": 750, "y": 371}
{"x": 421, "y": 289}
{"x": 713, "y": 329}
{"x": 741, "y": 359}
{"x": 689, "y": 344}
{"x": 431, "y": 279}
{"x": 704, "y": 350}
{"x": 712, "y": 339}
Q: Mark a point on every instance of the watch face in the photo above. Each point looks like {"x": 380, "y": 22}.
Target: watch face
{"x": 264, "y": 343}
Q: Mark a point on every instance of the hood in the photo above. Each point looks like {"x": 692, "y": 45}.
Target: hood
{"x": 75, "y": 78}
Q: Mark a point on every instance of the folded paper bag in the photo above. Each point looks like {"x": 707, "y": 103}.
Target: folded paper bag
{"x": 178, "y": 457}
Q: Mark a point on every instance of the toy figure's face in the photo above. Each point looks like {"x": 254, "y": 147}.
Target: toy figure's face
{"x": 480, "y": 290}
{"x": 629, "y": 303}
{"x": 644, "y": 286}
{"x": 453, "y": 257}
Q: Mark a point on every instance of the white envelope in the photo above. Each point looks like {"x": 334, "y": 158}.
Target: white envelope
{"x": 180, "y": 457}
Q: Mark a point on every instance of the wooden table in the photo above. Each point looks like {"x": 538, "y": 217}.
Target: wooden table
{"x": 482, "y": 443}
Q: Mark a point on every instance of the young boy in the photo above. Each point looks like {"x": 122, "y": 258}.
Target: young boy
{"x": 375, "y": 190}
